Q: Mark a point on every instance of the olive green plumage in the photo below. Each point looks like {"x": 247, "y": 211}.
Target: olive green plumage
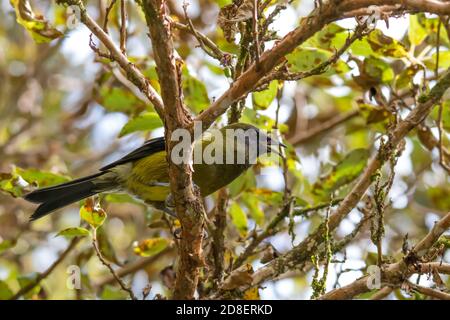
{"x": 143, "y": 173}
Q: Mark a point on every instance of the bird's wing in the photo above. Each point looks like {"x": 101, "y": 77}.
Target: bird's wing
{"x": 148, "y": 148}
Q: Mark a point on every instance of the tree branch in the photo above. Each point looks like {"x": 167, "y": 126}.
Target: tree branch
{"x": 396, "y": 273}
{"x": 314, "y": 22}
{"x": 303, "y": 251}
{"x": 188, "y": 206}
{"x": 133, "y": 73}
{"x": 47, "y": 272}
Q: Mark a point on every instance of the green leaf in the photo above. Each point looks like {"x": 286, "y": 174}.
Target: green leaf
{"x": 333, "y": 36}
{"x": 252, "y": 203}
{"x": 118, "y": 99}
{"x": 145, "y": 122}
{"x": 343, "y": 173}
{"x": 121, "y": 198}
{"x": 112, "y": 293}
{"x": 239, "y": 219}
{"x": 263, "y": 99}
{"x": 445, "y": 114}
{"x": 304, "y": 59}
{"x": 373, "y": 114}
{"x": 12, "y": 184}
{"x": 95, "y": 216}
{"x": 7, "y": 244}
{"x": 307, "y": 58}
{"x": 41, "y": 178}
{"x": 380, "y": 45}
{"x": 444, "y": 60}
{"x": 195, "y": 93}
{"x": 25, "y": 280}
{"x": 222, "y": 3}
{"x": 150, "y": 247}
{"x": 416, "y": 32}
{"x": 40, "y": 29}
{"x": 375, "y": 71}
{"x": 405, "y": 78}
{"x": 73, "y": 232}
{"x": 5, "y": 291}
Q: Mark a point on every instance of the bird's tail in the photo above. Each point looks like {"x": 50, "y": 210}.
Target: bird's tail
{"x": 56, "y": 197}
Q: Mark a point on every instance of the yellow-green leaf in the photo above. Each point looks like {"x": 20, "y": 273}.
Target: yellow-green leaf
{"x": 343, "y": 173}
{"x": 150, "y": 247}
{"x": 263, "y": 99}
{"x": 5, "y": 291}
{"x": 40, "y": 29}
{"x": 195, "y": 93}
{"x": 118, "y": 99}
{"x": 73, "y": 232}
{"x": 95, "y": 216}
{"x": 239, "y": 219}
{"x": 41, "y": 178}
{"x": 145, "y": 122}
{"x": 252, "y": 203}
{"x": 307, "y": 58}
{"x": 416, "y": 33}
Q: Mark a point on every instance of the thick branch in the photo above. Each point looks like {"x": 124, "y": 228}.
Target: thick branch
{"x": 189, "y": 208}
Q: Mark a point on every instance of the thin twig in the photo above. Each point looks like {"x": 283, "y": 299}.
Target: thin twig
{"x": 107, "y": 12}
{"x": 108, "y": 265}
{"x": 123, "y": 26}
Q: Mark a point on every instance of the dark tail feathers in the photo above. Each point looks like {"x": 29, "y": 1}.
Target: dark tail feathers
{"x": 53, "y": 198}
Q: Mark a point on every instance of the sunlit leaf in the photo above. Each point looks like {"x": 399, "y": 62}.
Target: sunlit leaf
{"x": 150, "y": 247}
{"x": 445, "y": 118}
{"x": 95, "y": 216}
{"x": 333, "y": 36}
{"x": 263, "y": 99}
{"x": 252, "y": 203}
{"x": 416, "y": 32}
{"x": 7, "y": 244}
{"x": 195, "y": 93}
{"x": 307, "y": 58}
{"x": 444, "y": 60}
{"x": 5, "y": 291}
{"x": 145, "y": 122}
{"x": 373, "y": 114}
{"x": 73, "y": 232}
{"x": 41, "y": 178}
{"x": 405, "y": 78}
{"x": 239, "y": 219}
{"x": 113, "y": 293}
{"x": 379, "y": 45}
{"x": 40, "y": 29}
{"x": 375, "y": 71}
{"x": 119, "y": 99}
{"x": 343, "y": 173}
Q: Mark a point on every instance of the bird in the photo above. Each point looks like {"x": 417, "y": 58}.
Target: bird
{"x": 144, "y": 172}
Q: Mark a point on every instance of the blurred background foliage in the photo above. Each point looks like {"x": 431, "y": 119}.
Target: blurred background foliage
{"x": 64, "y": 112}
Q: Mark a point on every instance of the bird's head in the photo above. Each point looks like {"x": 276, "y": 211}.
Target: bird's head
{"x": 253, "y": 140}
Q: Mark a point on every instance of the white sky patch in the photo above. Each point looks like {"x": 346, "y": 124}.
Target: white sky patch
{"x": 106, "y": 130}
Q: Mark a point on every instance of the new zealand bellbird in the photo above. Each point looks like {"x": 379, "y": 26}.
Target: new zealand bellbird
{"x": 143, "y": 172}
